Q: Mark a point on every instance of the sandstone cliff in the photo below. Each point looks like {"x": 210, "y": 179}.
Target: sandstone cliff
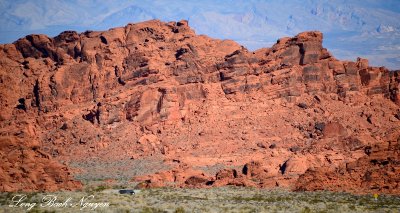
{"x": 212, "y": 112}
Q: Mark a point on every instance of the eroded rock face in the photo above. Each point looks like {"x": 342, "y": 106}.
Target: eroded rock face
{"x": 27, "y": 168}
{"x": 379, "y": 171}
{"x": 158, "y": 91}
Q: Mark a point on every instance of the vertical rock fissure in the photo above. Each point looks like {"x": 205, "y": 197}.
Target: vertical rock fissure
{"x": 92, "y": 87}
{"x": 36, "y": 93}
{"x": 160, "y": 101}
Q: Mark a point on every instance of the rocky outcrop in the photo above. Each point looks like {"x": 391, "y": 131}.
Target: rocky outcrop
{"x": 158, "y": 91}
{"x": 378, "y": 171}
{"x": 28, "y": 168}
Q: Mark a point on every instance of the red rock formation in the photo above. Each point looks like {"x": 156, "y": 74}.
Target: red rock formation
{"x": 26, "y": 167}
{"x": 158, "y": 91}
{"x": 378, "y": 171}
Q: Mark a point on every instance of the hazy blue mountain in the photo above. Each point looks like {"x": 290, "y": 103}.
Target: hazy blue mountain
{"x": 366, "y": 28}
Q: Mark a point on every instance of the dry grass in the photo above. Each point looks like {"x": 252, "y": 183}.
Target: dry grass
{"x": 226, "y": 199}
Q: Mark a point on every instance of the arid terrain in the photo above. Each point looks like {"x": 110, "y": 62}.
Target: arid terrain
{"x": 155, "y": 104}
{"x": 218, "y": 199}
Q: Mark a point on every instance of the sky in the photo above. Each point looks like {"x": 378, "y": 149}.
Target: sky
{"x": 352, "y": 28}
